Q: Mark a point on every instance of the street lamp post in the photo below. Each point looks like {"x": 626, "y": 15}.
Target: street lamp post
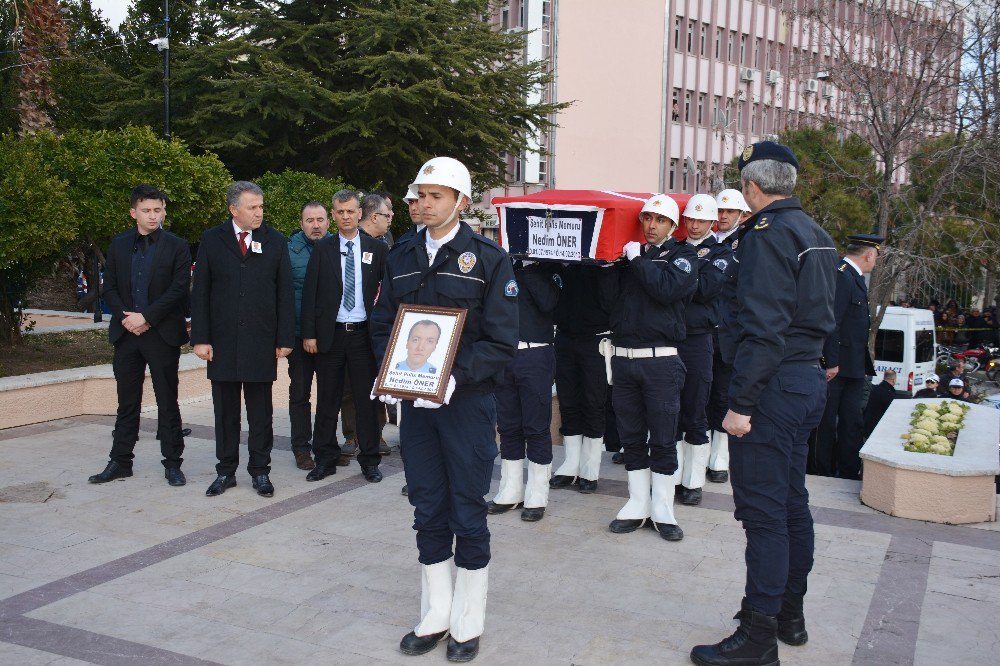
{"x": 163, "y": 44}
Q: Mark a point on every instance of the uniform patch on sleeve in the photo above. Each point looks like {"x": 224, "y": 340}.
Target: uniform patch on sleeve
{"x": 720, "y": 264}
{"x": 510, "y": 289}
{"x": 557, "y": 279}
{"x": 702, "y": 252}
{"x": 683, "y": 264}
{"x": 736, "y": 243}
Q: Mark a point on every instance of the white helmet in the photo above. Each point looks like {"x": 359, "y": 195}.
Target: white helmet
{"x": 661, "y": 204}
{"x": 445, "y": 171}
{"x": 411, "y": 194}
{"x": 732, "y": 200}
{"x": 702, "y": 207}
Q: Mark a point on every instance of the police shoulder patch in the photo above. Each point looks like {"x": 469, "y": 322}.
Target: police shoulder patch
{"x": 466, "y": 262}
{"x": 761, "y": 224}
{"x": 683, "y": 264}
{"x": 557, "y": 279}
{"x": 736, "y": 243}
{"x": 702, "y": 252}
{"x": 510, "y": 289}
{"x": 721, "y": 264}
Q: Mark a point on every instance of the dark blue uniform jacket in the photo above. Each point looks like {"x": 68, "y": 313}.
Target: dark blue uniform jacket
{"x": 538, "y": 294}
{"x": 778, "y": 304}
{"x": 713, "y": 258}
{"x": 847, "y": 346}
{"x": 486, "y": 289}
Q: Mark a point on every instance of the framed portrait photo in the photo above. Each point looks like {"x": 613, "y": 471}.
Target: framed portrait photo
{"x": 421, "y": 351}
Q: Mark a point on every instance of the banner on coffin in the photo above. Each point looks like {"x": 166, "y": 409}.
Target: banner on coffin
{"x": 560, "y": 233}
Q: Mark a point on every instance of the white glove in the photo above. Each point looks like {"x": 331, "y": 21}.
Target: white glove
{"x": 632, "y": 250}
{"x": 387, "y": 399}
{"x": 430, "y": 404}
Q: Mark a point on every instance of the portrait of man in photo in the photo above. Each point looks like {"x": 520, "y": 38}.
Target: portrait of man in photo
{"x": 421, "y": 342}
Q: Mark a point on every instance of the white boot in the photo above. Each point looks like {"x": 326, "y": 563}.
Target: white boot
{"x": 468, "y": 608}
{"x": 681, "y": 451}
{"x": 662, "y": 509}
{"x": 571, "y": 463}
{"x": 695, "y": 459}
{"x": 638, "y": 505}
{"x": 511, "y": 490}
{"x": 536, "y": 493}
{"x": 718, "y": 459}
{"x": 435, "y": 598}
{"x": 590, "y": 459}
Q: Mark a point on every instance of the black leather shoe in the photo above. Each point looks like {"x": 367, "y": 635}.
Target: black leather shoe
{"x": 460, "y": 652}
{"x": 320, "y": 472}
{"x": 493, "y": 508}
{"x": 174, "y": 476}
{"x": 111, "y": 472}
{"x": 221, "y": 484}
{"x": 371, "y": 474}
{"x": 532, "y": 515}
{"x": 561, "y": 481}
{"x": 691, "y": 496}
{"x": 586, "y": 486}
{"x": 416, "y": 645}
{"x": 618, "y": 458}
{"x": 753, "y": 644}
{"x": 262, "y": 484}
{"x": 668, "y": 531}
{"x": 720, "y": 476}
{"x": 625, "y": 526}
{"x": 403, "y": 491}
{"x": 792, "y": 621}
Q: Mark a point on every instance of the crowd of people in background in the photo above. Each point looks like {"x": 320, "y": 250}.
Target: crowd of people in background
{"x": 961, "y": 327}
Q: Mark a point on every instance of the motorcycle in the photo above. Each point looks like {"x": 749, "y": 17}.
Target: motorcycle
{"x": 977, "y": 357}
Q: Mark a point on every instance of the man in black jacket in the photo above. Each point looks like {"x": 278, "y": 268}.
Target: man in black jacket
{"x": 646, "y": 294}
{"x": 342, "y": 280}
{"x": 879, "y": 399}
{"x": 242, "y": 322}
{"x": 146, "y": 286}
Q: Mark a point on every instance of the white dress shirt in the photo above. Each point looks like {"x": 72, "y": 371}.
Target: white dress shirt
{"x": 358, "y": 314}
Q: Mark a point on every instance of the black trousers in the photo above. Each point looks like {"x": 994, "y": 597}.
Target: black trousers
{"x": 581, "y": 384}
{"x": 839, "y": 437}
{"x": 718, "y": 398}
{"x": 524, "y": 406}
{"x": 351, "y": 350}
{"x": 133, "y": 353}
{"x": 301, "y": 368}
{"x": 696, "y": 353}
{"x": 226, "y": 401}
{"x": 647, "y": 400}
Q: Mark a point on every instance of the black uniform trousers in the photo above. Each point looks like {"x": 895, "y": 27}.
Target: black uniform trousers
{"x": 301, "y": 369}
{"x": 133, "y": 353}
{"x": 226, "y": 402}
{"x": 612, "y": 442}
{"x": 696, "y": 353}
{"x": 839, "y": 439}
{"x": 448, "y": 462}
{"x": 581, "y": 384}
{"x": 524, "y": 406}
{"x": 718, "y": 397}
{"x": 767, "y": 467}
{"x": 351, "y": 350}
{"x": 647, "y": 399}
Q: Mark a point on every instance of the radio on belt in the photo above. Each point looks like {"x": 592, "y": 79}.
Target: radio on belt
{"x": 572, "y": 225}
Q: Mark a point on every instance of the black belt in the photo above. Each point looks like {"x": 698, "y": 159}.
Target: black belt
{"x": 352, "y": 326}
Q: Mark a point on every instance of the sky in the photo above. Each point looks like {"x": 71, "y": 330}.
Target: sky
{"x": 113, "y": 10}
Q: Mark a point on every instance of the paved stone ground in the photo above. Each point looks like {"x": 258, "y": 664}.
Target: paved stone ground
{"x": 136, "y": 571}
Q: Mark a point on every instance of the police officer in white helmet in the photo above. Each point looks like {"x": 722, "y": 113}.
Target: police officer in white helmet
{"x": 448, "y": 449}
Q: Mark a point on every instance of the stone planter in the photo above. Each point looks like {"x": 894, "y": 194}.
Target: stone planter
{"x": 924, "y": 486}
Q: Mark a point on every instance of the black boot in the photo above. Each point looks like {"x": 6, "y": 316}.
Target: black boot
{"x": 494, "y": 509}
{"x": 465, "y": 651}
{"x": 754, "y": 643}
{"x": 691, "y": 496}
{"x": 417, "y": 645}
{"x": 561, "y": 481}
{"x": 792, "y": 621}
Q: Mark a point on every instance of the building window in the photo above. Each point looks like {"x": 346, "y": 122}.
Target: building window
{"x": 690, "y": 36}
{"x": 739, "y": 116}
{"x": 720, "y": 34}
{"x": 767, "y": 120}
{"x": 697, "y": 178}
{"x": 673, "y": 175}
{"x": 505, "y": 18}
{"x": 701, "y": 108}
{"x": 677, "y": 33}
{"x": 731, "y": 45}
{"x": 717, "y": 111}
{"x": 687, "y": 106}
{"x": 704, "y": 40}
{"x": 543, "y": 163}
{"x": 743, "y": 49}
{"x": 684, "y": 179}
{"x": 753, "y": 119}
{"x": 757, "y": 52}
{"x": 518, "y": 163}
{"x": 675, "y": 105}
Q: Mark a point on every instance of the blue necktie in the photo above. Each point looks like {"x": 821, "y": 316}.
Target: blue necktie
{"x": 349, "y": 278}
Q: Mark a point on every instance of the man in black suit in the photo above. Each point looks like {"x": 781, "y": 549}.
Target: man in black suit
{"x": 242, "y": 322}
{"x": 847, "y": 362}
{"x": 879, "y": 399}
{"x": 342, "y": 281}
{"x": 146, "y": 287}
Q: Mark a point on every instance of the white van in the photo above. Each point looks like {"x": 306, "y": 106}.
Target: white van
{"x": 905, "y": 342}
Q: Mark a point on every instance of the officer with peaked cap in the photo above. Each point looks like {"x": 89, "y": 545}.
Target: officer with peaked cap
{"x": 848, "y": 363}
{"x": 733, "y": 210}
{"x": 701, "y": 317}
{"x": 448, "y": 449}
{"x": 779, "y": 311}
{"x": 646, "y": 295}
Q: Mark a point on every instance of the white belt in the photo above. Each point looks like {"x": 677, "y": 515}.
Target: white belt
{"x": 645, "y": 352}
{"x": 531, "y": 345}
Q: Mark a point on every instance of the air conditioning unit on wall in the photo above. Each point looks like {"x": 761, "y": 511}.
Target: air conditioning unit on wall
{"x": 772, "y": 77}
{"x": 810, "y": 86}
{"x": 828, "y": 90}
{"x": 748, "y": 74}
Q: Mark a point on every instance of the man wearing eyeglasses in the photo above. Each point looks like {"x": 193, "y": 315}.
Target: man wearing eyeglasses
{"x": 376, "y": 215}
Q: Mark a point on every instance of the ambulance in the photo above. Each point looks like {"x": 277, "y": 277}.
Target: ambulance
{"x": 905, "y": 342}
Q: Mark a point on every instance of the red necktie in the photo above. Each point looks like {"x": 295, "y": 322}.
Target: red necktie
{"x": 243, "y": 242}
